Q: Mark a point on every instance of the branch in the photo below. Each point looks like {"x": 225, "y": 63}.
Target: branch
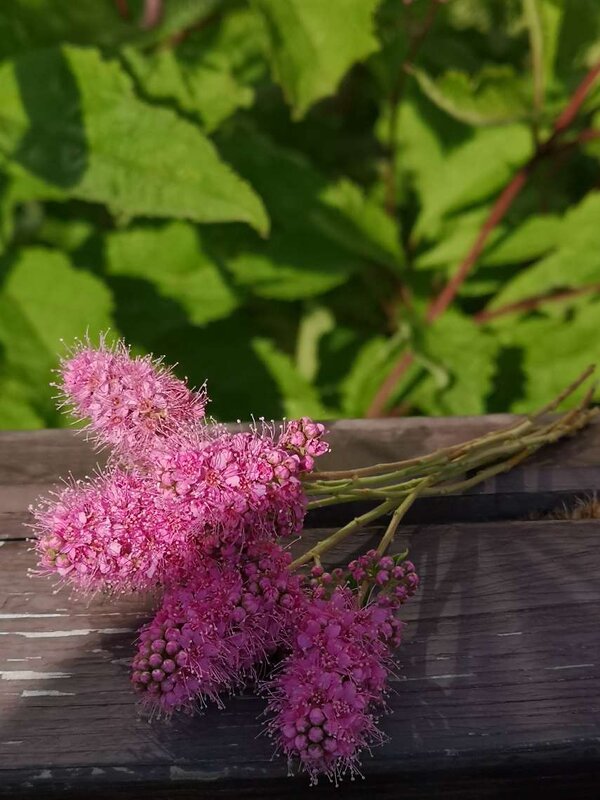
{"x": 498, "y": 212}
{"x": 503, "y": 203}
{"x": 567, "y": 116}
{"x": 531, "y": 303}
{"x": 122, "y": 9}
{"x": 153, "y": 11}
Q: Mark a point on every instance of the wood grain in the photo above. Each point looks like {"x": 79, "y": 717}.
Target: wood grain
{"x": 501, "y": 664}
{"x": 34, "y": 462}
{"x": 497, "y": 691}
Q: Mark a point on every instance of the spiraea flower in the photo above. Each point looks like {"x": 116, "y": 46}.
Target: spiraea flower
{"x": 113, "y": 533}
{"x": 146, "y": 527}
{"x": 304, "y": 438}
{"x": 325, "y": 701}
{"x": 181, "y": 490}
{"x": 130, "y": 402}
{"x": 183, "y": 657}
{"x": 210, "y": 635}
{"x": 232, "y": 488}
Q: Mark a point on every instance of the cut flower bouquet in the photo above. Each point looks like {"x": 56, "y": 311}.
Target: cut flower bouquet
{"x": 203, "y": 517}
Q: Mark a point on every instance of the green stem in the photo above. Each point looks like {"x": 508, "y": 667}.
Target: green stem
{"x": 487, "y": 456}
{"x": 353, "y": 526}
{"x": 357, "y": 490}
{"x": 511, "y": 432}
{"x": 397, "y": 516}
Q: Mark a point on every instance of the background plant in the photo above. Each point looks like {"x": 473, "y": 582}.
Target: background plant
{"x": 335, "y": 209}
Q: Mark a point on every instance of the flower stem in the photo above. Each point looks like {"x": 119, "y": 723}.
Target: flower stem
{"x": 512, "y": 432}
{"x": 397, "y": 485}
{"x": 390, "y": 531}
{"x": 351, "y": 527}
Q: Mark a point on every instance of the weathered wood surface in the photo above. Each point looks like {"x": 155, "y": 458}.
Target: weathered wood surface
{"x": 498, "y": 687}
{"x": 32, "y": 462}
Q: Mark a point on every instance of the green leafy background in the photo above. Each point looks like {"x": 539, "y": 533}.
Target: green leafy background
{"x": 270, "y": 192}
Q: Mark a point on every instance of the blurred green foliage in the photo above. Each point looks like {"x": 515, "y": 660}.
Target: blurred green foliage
{"x": 271, "y": 192}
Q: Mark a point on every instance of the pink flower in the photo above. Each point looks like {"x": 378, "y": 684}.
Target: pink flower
{"x": 207, "y": 637}
{"x": 303, "y": 437}
{"x": 113, "y": 533}
{"x": 325, "y": 701}
{"x": 232, "y": 488}
{"x": 131, "y": 402}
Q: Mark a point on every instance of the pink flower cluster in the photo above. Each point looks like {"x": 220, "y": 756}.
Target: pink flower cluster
{"x": 113, "y": 533}
{"x": 303, "y": 437}
{"x": 182, "y": 488}
{"x": 208, "y": 635}
{"x": 325, "y": 701}
{"x": 233, "y": 487}
{"x": 130, "y": 402}
{"x": 195, "y": 511}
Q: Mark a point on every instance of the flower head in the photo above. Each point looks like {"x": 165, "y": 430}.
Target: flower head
{"x": 209, "y": 635}
{"x": 325, "y": 700}
{"x": 304, "y": 438}
{"x": 113, "y": 533}
{"x": 232, "y": 488}
{"x": 131, "y": 402}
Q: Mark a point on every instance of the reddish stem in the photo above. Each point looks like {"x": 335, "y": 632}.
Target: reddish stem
{"x": 387, "y": 387}
{"x": 498, "y": 212}
{"x": 122, "y": 9}
{"x": 153, "y": 11}
{"x": 531, "y": 303}
{"x": 503, "y": 203}
{"x": 567, "y": 116}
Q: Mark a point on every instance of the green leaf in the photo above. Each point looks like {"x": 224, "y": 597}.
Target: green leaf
{"x": 237, "y": 41}
{"x": 451, "y": 167}
{"x": 452, "y": 373}
{"x": 339, "y": 210}
{"x": 574, "y": 262}
{"x": 467, "y": 354}
{"x": 472, "y": 172}
{"x": 72, "y": 119}
{"x": 206, "y": 89}
{"x": 175, "y": 261}
{"x": 17, "y": 411}
{"x": 419, "y": 147}
{"x": 322, "y": 233}
{"x": 455, "y": 236}
{"x": 554, "y": 352}
{"x": 579, "y": 37}
{"x": 20, "y": 187}
{"x": 64, "y": 234}
{"x": 314, "y": 43}
{"x": 531, "y": 239}
{"x": 292, "y": 265}
{"x": 362, "y": 226}
{"x": 369, "y": 370}
{"x": 497, "y": 95}
{"x": 316, "y": 323}
{"x": 29, "y": 24}
{"x": 299, "y": 397}
{"x": 45, "y": 300}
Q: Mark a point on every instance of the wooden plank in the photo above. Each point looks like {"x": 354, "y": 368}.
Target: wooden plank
{"x": 499, "y": 672}
{"x": 42, "y": 457}
{"x": 31, "y": 462}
